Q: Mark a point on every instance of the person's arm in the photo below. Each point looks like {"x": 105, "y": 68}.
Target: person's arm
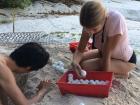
{"x": 43, "y": 87}
{"x": 77, "y": 57}
{"x": 81, "y": 47}
{"x": 9, "y": 86}
{"x": 108, "y": 47}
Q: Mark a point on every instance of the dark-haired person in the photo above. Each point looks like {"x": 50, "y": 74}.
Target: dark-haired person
{"x": 110, "y": 38}
{"x": 30, "y": 56}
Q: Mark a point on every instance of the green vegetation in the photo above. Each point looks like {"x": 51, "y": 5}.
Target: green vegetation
{"x": 25, "y": 3}
{"x": 15, "y": 3}
{"x": 2, "y": 21}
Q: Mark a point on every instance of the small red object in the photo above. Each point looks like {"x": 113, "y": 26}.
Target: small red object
{"x": 86, "y": 89}
{"x": 74, "y": 45}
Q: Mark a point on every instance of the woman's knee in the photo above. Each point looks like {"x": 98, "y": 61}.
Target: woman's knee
{"x": 91, "y": 54}
{"x": 131, "y": 67}
{"x": 118, "y": 66}
{"x": 91, "y": 64}
{"x": 83, "y": 64}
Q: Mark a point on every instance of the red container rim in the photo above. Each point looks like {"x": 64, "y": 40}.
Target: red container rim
{"x": 65, "y": 74}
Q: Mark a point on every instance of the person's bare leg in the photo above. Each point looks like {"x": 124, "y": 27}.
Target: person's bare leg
{"x": 91, "y": 54}
{"x": 91, "y": 64}
{"x": 117, "y": 66}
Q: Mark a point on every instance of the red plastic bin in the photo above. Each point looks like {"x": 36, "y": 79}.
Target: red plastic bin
{"x": 88, "y": 89}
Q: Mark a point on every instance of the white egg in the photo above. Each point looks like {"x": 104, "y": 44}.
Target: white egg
{"x": 77, "y": 82}
{"x": 81, "y": 103}
{"x": 97, "y": 82}
{"x": 106, "y": 82}
{"x": 54, "y": 65}
{"x": 83, "y": 73}
{"x": 82, "y": 81}
{"x": 60, "y": 63}
{"x": 92, "y": 82}
{"x": 57, "y": 67}
{"x": 61, "y": 69}
{"x": 70, "y": 79}
{"x": 74, "y": 82}
{"x": 102, "y": 82}
{"x": 87, "y": 81}
{"x": 69, "y": 82}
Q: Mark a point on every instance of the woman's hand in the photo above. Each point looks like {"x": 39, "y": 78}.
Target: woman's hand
{"x": 78, "y": 55}
{"x": 77, "y": 68}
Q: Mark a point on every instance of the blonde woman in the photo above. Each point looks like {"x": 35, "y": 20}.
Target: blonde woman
{"x": 110, "y": 38}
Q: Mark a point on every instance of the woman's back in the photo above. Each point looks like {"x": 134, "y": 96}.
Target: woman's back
{"x": 115, "y": 24}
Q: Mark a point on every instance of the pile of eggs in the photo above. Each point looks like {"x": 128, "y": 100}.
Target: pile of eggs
{"x": 59, "y": 66}
{"x": 85, "y": 81}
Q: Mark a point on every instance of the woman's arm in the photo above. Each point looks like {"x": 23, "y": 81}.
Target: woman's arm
{"x": 77, "y": 57}
{"x": 81, "y": 47}
{"x": 109, "y": 46}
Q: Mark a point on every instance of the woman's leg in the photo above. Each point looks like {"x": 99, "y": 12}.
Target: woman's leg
{"x": 117, "y": 66}
{"x": 91, "y": 54}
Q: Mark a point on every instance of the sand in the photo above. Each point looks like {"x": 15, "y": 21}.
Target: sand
{"x": 122, "y": 92}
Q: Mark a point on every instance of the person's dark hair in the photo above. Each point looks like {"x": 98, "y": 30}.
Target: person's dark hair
{"x": 31, "y": 55}
{"x": 92, "y": 13}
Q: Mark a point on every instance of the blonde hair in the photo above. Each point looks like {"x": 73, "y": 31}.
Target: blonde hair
{"x": 92, "y": 13}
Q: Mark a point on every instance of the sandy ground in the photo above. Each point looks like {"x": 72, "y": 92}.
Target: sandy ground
{"x": 123, "y": 92}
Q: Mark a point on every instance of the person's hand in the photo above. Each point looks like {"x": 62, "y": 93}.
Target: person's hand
{"x": 43, "y": 88}
{"x": 77, "y": 68}
{"x": 44, "y": 85}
